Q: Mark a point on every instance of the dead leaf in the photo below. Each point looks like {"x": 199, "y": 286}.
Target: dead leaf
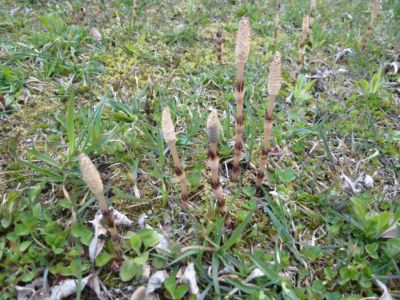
{"x": 356, "y": 186}
{"x": 96, "y": 34}
{"x": 163, "y": 244}
{"x": 343, "y": 54}
{"x": 96, "y": 244}
{"x": 156, "y": 281}
{"x": 120, "y": 218}
{"x": 146, "y": 272}
{"x": 98, "y": 288}
{"x": 33, "y": 290}
{"x": 142, "y": 220}
{"x": 189, "y": 277}
{"x": 391, "y": 232}
{"x": 24, "y": 293}
{"x": 365, "y": 180}
{"x": 392, "y": 68}
{"x": 386, "y": 294}
{"x": 67, "y": 288}
{"x": 139, "y": 294}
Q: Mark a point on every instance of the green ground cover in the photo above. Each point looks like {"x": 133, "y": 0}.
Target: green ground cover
{"x": 316, "y": 230}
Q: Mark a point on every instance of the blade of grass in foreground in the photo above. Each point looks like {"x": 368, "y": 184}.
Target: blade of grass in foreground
{"x": 326, "y": 145}
{"x": 237, "y": 232}
{"x": 71, "y": 127}
{"x": 284, "y": 234}
{"x": 184, "y": 255}
{"x": 215, "y": 265}
{"x": 267, "y": 270}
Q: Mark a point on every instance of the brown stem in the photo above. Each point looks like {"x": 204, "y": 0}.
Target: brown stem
{"x": 112, "y": 228}
{"x": 300, "y": 55}
{"x": 213, "y": 164}
{"x": 218, "y": 42}
{"x": 147, "y": 111}
{"x": 277, "y": 22}
{"x": 134, "y": 8}
{"x": 367, "y": 35}
{"x": 313, "y": 14}
{"x": 180, "y": 173}
{"x": 267, "y": 138}
{"x": 312, "y": 19}
{"x": 239, "y": 95}
{"x": 300, "y": 60}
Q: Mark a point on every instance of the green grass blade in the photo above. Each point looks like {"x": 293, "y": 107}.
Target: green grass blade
{"x": 237, "y": 232}
{"x": 268, "y": 270}
{"x": 215, "y": 264}
{"x": 71, "y": 127}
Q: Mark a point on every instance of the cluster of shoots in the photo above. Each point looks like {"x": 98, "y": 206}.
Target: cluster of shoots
{"x": 375, "y": 13}
{"x": 213, "y": 125}
{"x": 91, "y": 177}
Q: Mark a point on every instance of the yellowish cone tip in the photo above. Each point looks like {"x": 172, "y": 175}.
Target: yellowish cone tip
{"x": 306, "y": 24}
{"x": 277, "y": 20}
{"x": 313, "y": 4}
{"x": 375, "y": 9}
{"x": 243, "y": 41}
{"x": 274, "y": 76}
{"x": 90, "y": 174}
{"x": 168, "y": 128}
{"x": 213, "y": 127}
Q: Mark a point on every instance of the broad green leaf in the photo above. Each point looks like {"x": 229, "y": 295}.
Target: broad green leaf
{"x": 392, "y": 247}
{"x": 141, "y": 260}
{"x": 286, "y": 175}
{"x": 27, "y": 276}
{"x": 170, "y": 285}
{"x": 180, "y": 291}
{"x": 24, "y": 245}
{"x": 103, "y": 258}
{"x": 128, "y": 270}
{"x": 149, "y": 238}
{"x": 22, "y": 229}
{"x": 136, "y": 242}
{"x": 82, "y": 232}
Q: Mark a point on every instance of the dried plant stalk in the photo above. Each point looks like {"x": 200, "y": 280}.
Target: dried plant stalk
{"x": 218, "y": 45}
{"x": 84, "y": 16}
{"x": 168, "y": 130}
{"x": 274, "y": 85}
{"x": 134, "y": 8}
{"x": 92, "y": 178}
{"x": 147, "y": 109}
{"x": 375, "y": 12}
{"x": 304, "y": 36}
{"x": 213, "y": 126}
{"x": 313, "y": 13}
{"x": 242, "y": 53}
{"x": 277, "y": 23}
